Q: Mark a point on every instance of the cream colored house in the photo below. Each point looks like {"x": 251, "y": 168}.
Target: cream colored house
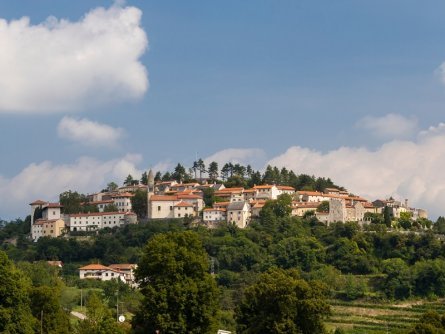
{"x": 238, "y": 213}
{"x": 312, "y": 196}
{"x": 183, "y": 209}
{"x": 300, "y": 208}
{"x": 47, "y": 228}
{"x": 164, "y": 206}
{"x": 256, "y": 207}
{"x": 229, "y": 194}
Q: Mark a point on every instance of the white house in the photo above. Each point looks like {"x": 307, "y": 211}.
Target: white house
{"x": 127, "y": 269}
{"x": 101, "y": 204}
{"x": 101, "y": 273}
{"x": 213, "y": 216}
{"x": 266, "y": 191}
{"x": 99, "y": 220}
{"x": 123, "y": 201}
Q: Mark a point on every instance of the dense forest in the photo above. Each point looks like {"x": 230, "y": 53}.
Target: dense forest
{"x": 312, "y": 265}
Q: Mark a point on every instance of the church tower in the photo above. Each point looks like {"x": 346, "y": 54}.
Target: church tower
{"x": 150, "y": 192}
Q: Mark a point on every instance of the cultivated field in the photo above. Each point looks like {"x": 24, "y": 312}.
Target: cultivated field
{"x": 364, "y": 318}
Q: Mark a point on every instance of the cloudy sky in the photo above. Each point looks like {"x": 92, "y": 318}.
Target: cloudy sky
{"x": 93, "y": 90}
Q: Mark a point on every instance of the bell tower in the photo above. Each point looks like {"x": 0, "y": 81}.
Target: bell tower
{"x": 150, "y": 192}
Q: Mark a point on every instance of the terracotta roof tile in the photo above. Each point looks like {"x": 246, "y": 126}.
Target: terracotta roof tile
{"x": 183, "y": 204}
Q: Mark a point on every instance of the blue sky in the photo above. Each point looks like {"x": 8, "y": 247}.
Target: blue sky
{"x": 345, "y": 89}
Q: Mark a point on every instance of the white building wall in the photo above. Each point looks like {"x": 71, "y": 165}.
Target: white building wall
{"x": 51, "y": 213}
{"x": 93, "y": 222}
{"x": 123, "y": 204}
{"x": 162, "y": 209}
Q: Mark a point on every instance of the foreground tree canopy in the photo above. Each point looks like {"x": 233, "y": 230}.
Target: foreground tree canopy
{"x": 281, "y": 302}
{"x": 15, "y": 311}
{"x": 180, "y": 296}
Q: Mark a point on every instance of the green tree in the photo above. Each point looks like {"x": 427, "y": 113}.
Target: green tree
{"x": 201, "y": 168}
{"x": 144, "y": 178}
{"x": 111, "y": 208}
{"x": 112, "y": 186}
{"x": 374, "y": 218}
{"x": 139, "y": 203}
{"x": 208, "y": 196}
{"x": 281, "y": 302}
{"x": 213, "y": 171}
{"x": 72, "y": 201}
{"x": 387, "y": 216}
{"x": 323, "y": 207}
{"x": 227, "y": 171}
{"x": 45, "y": 306}
{"x": 398, "y": 282}
{"x": 429, "y": 323}
{"x": 179, "y": 173}
{"x": 99, "y": 318}
{"x": 429, "y": 277}
{"x": 128, "y": 180}
{"x": 180, "y": 296}
{"x": 439, "y": 225}
{"x": 298, "y": 252}
{"x": 15, "y": 312}
{"x": 281, "y": 207}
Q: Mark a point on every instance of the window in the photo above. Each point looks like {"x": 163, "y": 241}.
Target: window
{"x": 171, "y": 208}
{"x": 159, "y": 208}
{"x": 179, "y": 215}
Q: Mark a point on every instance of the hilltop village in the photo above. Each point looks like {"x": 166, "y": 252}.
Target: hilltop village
{"x": 235, "y": 205}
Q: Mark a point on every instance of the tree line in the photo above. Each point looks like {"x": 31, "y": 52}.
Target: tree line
{"x": 234, "y": 175}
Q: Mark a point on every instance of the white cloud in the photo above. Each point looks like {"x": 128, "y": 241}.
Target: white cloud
{"x": 46, "y": 181}
{"x": 163, "y": 166}
{"x": 404, "y": 169}
{"x": 89, "y": 133}
{"x": 60, "y": 65}
{"x": 252, "y": 156}
{"x": 390, "y": 126}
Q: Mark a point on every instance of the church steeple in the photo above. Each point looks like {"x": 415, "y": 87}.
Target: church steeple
{"x": 151, "y": 181}
{"x": 150, "y": 192}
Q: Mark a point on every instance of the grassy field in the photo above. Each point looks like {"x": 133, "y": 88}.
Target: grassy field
{"x": 370, "y": 318}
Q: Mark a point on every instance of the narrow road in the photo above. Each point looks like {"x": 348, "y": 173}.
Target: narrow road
{"x": 79, "y": 315}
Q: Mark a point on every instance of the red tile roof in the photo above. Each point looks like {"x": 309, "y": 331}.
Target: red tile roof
{"x": 54, "y": 205}
{"x": 163, "y": 198}
{"x": 264, "y": 186}
{"x": 94, "y": 266}
{"x": 38, "y": 202}
{"x": 184, "y": 204}
{"x": 98, "y": 214}
{"x": 125, "y": 194}
{"x": 286, "y": 188}
{"x": 123, "y": 266}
